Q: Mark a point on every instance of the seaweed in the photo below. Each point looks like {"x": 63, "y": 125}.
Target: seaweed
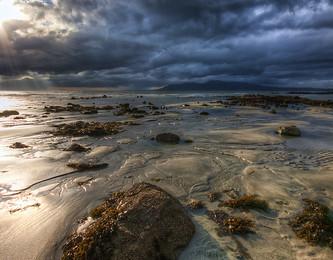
{"x": 195, "y": 204}
{"x": 213, "y": 196}
{"x": 313, "y": 224}
{"x": 246, "y": 202}
{"x": 229, "y": 224}
{"x": 81, "y": 128}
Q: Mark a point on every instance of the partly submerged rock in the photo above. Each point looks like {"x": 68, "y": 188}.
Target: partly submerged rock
{"x": 77, "y": 148}
{"x": 289, "y": 131}
{"x": 19, "y": 145}
{"x": 7, "y": 113}
{"x": 144, "y": 222}
{"x": 204, "y": 113}
{"x": 168, "y": 138}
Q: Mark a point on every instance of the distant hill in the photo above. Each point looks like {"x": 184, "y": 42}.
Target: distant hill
{"x": 217, "y": 85}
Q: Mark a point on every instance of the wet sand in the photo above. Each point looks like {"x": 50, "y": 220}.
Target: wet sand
{"x": 235, "y": 151}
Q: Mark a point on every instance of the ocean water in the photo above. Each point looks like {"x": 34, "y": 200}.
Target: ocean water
{"x": 233, "y": 148}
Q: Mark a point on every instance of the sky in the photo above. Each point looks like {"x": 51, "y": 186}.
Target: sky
{"x": 152, "y": 43}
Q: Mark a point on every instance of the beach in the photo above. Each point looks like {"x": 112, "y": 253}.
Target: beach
{"x": 227, "y": 148}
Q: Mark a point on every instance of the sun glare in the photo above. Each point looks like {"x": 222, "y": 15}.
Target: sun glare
{"x": 10, "y": 11}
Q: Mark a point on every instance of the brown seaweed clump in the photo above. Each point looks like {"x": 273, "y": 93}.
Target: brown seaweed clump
{"x": 144, "y": 222}
{"x": 313, "y": 224}
{"x": 87, "y": 166}
{"x": 81, "y": 128}
{"x": 246, "y": 202}
{"x": 213, "y": 196}
{"x": 195, "y": 204}
{"x": 231, "y": 224}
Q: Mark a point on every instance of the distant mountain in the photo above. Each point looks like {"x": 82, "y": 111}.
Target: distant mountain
{"x": 215, "y": 86}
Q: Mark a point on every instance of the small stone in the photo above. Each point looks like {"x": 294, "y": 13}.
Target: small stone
{"x": 18, "y": 145}
{"x": 77, "y": 148}
{"x": 168, "y": 138}
{"x": 289, "y": 131}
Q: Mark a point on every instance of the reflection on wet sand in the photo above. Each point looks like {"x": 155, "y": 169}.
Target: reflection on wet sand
{"x": 234, "y": 151}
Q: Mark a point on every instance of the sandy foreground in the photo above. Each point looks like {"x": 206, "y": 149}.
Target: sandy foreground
{"x": 235, "y": 151}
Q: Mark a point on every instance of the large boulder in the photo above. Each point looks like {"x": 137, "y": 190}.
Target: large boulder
{"x": 168, "y": 138}
{"x": 144, "y": 222}
{"x": 289, "y": 131}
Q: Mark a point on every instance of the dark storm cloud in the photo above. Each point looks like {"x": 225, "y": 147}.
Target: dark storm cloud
{"x": 144, "y": 43}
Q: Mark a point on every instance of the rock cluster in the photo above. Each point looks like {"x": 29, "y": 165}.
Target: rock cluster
{"x": 76, "y": 108}
{"x": 81, "y": 128}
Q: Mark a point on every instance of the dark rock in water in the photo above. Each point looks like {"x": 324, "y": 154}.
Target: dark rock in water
{"x": 19, "y": 117}
{"x": 18, "y": 145}
{"x": 204, "y": 113}
{"x": 144, "y": 222}
{"x": 273, "y": 111}
{"x": 313, "y": 224}
{"x": 7, "y": 113}
{"x": 168, "y": 138}
{"x": 289, "y": 131}
{"x": 87, "y": 166}
{"x": 89, "y": 112}
{"x": 77, "y": 148}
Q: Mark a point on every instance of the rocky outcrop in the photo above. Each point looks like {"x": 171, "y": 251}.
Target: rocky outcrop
{"x": 289, "y": 131}
{"x": 144, "y": 222}
{"x": 168, "y": 138}
{"x": 81, "y": 128}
